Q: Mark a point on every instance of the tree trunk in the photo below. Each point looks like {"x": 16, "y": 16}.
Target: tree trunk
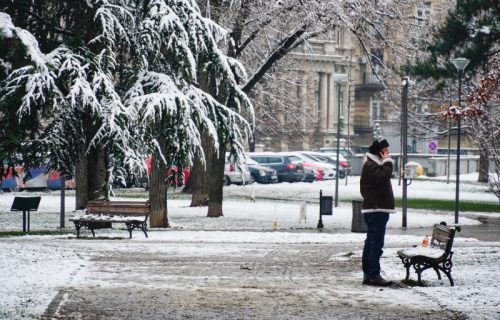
{"x": 198, "y": 184}
{"x": 96, "y": 173}
{"x": 158, "y": 217}
{"x": 484, "y": 164}
{"x": 81, "y": 165}
{"x": 200, "y": 175}
{"x": 216, "y": 181}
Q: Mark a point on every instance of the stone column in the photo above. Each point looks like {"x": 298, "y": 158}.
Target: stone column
{"x": 303, "y": 97}
{"x": 332, "y": 105}
{"x": 323, "y": 99}
{"x": 337, "y": 88}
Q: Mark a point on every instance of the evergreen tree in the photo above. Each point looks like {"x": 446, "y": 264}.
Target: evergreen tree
{"x": 151, "y": 53}
{"x": 176, "y": 55}
{"x": 472, "y": 31}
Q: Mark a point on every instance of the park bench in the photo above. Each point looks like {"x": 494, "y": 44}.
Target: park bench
{"x": 101, "y": 214}
{"x": 437, "y": 255}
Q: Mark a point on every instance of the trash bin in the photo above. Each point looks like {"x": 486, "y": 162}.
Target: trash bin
{"x": 358, "y": 222}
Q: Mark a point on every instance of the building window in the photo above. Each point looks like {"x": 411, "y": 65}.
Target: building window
{"x": 377, "y": 111}
{"x": 423, "y": 14}
{"x": 339, "y": 37}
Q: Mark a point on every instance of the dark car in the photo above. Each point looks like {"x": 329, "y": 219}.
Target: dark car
{"x": 289, "y": 168}
{"x": 260, "y": 173}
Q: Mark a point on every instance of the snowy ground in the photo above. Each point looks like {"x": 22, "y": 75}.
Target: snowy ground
{"x": 237, "y": 267}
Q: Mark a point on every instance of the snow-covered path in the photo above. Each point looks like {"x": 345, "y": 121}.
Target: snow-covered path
{"x": 233, "y": 274}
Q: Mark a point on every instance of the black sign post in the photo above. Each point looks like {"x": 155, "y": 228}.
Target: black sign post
{"x": 25, "y": 204}
{"x": 325, "y": 207}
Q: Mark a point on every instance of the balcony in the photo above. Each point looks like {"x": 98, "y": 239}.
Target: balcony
{"x": 369, "y": 81}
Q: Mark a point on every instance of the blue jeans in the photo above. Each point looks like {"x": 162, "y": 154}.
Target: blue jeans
{"x": 374, "y": 243}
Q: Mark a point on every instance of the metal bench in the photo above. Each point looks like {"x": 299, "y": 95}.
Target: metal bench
{"x": 436, "y": 256}
{"x": 101, "y": 214}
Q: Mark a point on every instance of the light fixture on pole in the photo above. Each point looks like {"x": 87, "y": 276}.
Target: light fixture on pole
{"x": 338, "y": 78}
{"x": 460, "y": 64}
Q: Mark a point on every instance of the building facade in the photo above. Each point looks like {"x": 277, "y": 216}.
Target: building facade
{"x": 337, "y": 86}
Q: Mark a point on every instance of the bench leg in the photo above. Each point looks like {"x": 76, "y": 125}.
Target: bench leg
{"x": 448, "y": 274}
{"x": 419, "y": 268}
{"x": 144, "y": 228}
{"x": 130, "y": 228}
{"x": 446, "y": 268}
{"x": 78, "y": 225}
{"x": 407, "y": 265}
{"x": 437, "y": 272}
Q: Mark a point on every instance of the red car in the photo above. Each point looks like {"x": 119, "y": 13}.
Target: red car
{"x": 173, "y": 179}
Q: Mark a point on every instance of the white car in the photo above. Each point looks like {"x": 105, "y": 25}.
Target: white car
{"x": 235, "y": 174}
{"x": 329, "y": 170}
{"x": 331, "y": 158}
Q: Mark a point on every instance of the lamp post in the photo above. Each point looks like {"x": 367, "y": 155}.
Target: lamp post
{"x": 338, "y": 78}
{"x": 460, "y": 64}
{"x": 404, "y": 147}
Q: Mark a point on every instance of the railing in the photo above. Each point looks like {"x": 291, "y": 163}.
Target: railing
{"x": 371, "y": 79}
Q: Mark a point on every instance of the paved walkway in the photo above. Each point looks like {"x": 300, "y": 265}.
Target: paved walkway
{"x": 229, "y": 281}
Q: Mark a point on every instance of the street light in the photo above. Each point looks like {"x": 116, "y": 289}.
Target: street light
{"x": 404, "y": 148}
{"x": 460, "y": 64}
{"x": 338, "y": 78}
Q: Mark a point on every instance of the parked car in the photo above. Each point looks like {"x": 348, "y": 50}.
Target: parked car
{"x": 174, "y": 178}
{"x": 347, "y": 153}
{"x": 288, "y": 167}
{"x": 331, "y": 158}
{"x": 328, "y": 170}
{"x": 310, "y": 175}
{"x": 260, "y": 173}
{"x": 236, "y": 174}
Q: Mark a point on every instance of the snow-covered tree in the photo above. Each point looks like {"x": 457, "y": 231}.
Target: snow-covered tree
{"x": 264, "y": 32}
{"x": 70, "y": 94}
{"x": 185, "y": 91}
{"x": 125, "y": 83}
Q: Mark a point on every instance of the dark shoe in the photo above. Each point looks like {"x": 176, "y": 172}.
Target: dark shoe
{"x": 365, "y": 279}
{"x": 378, "y": 281}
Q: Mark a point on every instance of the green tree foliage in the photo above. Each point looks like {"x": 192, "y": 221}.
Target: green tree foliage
{"x": 471, "y": 30}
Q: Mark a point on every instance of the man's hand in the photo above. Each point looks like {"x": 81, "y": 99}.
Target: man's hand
{"x": 384, "y": 155}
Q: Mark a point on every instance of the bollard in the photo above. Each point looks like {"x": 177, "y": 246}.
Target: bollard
{"x": 358, "y": 221}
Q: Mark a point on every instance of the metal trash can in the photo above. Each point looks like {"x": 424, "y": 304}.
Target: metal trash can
{"x": 358, "y": 221}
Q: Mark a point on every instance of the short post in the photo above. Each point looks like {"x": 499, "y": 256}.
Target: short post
{"x": 320, "y": 222}
{"x": 62, "y": 210}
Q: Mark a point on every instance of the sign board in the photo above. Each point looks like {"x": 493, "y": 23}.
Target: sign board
{"x": 432, "y": 146}
{"x": 25, "y": 204}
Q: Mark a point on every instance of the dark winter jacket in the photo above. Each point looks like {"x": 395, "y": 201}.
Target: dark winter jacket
{"x": 375, "y": 185}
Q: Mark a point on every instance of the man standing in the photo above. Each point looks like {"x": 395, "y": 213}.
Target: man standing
{"x": 378, "y": 203}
